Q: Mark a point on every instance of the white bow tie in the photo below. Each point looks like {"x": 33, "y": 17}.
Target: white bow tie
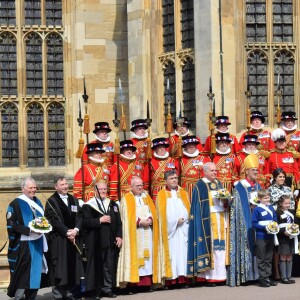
{"x": 64, "y": 197}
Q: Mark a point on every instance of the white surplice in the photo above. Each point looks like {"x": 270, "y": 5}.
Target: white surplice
{"x": 177, "y": 235}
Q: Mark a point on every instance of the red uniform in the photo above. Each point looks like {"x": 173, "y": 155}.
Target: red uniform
{"x": 108, "y": 156}
{"x": 173, "y": 141}
{"x": 285, "y": 160}
{"x": 226, "y": 171}
{"x": 234, "y": 145}
{"x": 128, "y": 169}
{"x": 263, "y": 136}
{"x": 158, "y": 167}
{"x": 92, "y": 174}
{"x": 141, "y": 149}
{"x": 192, "y": 171}
{"x": 293, "y": 139}
{"x": 241, "y": 170}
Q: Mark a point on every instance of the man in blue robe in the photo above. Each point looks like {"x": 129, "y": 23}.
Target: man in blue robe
{"x": 207, "y": 246}
{"x": 242, "y": 266}
{"x": 25, "y": 251}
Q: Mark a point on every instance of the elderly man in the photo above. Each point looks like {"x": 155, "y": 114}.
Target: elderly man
{"x": 160, "y": 163}
{"x": 102, "y": 136}
{"x": 127, "y": 168}
{"x": 251, "y": 144}
{"x": 90, "y": 173}
{"x": 242, "y": 264}
{"x": 139, "y": 261}
{"x": 191, "y": 163}
{"x": 26, "y": 247}
{"x": 173, "y": 207}
{"x": 139, "y": 138}
{"x": 288, "y": 124}
{"x": 208, "y": 231}
{"x": 63, "y": 212}
{"x": 102, "y": 236}
{"x": 257, "y": 121}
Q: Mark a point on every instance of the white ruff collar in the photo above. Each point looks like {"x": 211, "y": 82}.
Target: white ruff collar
{"x": 288, "y": 129}
{"x": 98, "y": 161}
{"x": 103, "y": 141}
{"x": 226, "y": 152}
{"x": 261, "y": 127}
{"x": 187, "y": 133}
{"x": 226, "y": 131}
{"x": 247, "y": 152}
{"x": 139, "y": 137}
{"x": 128, "y": 158}
{"x": 195, "y": 154}
{"x": 161, "y": 156}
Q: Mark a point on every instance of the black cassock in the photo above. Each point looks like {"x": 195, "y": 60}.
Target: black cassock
{"x": 64, "y": 262}
{"x": 97, "y": 238}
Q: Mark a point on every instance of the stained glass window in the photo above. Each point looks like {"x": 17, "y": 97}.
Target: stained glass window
{"x": 8, "y": 64}
{"x": 56, "y": 129}
{"x": 284, "y": 67}
{"x": 282, "y": 20}
{"x": 7, "y": 12}
{"x": 10, "y": 136}
{"x": 188, "y": 83}
{"x": 187, "y": 23}
{"x": 256, "y": 21}
{"x": 257, "y": 66}
{"x": 34, "y": 65}
{"x": 168, "y": 25}
{"x": 32, "y": 12}
{"x": 35, "y": 133}
{"x": 53, "y": 12}
{"x": 55, "y": 74}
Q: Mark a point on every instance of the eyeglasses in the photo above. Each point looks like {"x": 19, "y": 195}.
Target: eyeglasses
{"x": 138, "y": 185}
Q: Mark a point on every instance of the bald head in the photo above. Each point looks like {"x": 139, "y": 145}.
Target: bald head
{"x": 210, "y": 171}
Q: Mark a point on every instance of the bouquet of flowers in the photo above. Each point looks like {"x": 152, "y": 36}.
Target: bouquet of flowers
{"x": 223, "y": 194}
{"x": 272, "y": 228}
{"x": 292, "y": 229}
{"x": 40, "y": 225}
{"x": 254, "y": 200}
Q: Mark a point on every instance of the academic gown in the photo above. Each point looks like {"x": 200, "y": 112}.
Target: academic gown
{"x": 25, "y": 258}
{"x": 65, "y": 265}
{"x": 93, "y": 232}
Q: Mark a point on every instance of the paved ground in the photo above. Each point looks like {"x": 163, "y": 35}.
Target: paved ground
{"x": 280, "y": 292}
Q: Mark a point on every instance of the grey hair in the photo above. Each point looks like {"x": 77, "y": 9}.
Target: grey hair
{"x": 206, "y": 166}
{"x": 169, "y": 173}
{"x": 134, "y": 178}
{"x": 27, "y": 179}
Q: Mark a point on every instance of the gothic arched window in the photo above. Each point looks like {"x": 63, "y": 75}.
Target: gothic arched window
{"x": 188, "y": 90}
{"x": 9, "y": 135}
{"x": 170, "y": 91}
{"x": 34, "y": 64}
{"x": 35, "y": 133}
{"x": 53, "y": 12}
{"x": 187, "y": 23}
{"x": 55, "y": 73}
{"x": 56, "y": 134}
{"x": 32, "y": 12}
{"x": 8, "y": 64}
{"x": 257, "y": 66}
{"x": 7, "y": 12}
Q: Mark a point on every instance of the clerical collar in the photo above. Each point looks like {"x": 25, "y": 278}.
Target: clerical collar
{"x": 103, "y": 141}
{"x": 178, "y": 134}
{"x": 170, "y": 190}
{"x": 128, "y": 158}
{"x": 162, "y": 156}
{"x": 250, "y": 182}
{"x": 289, "y": 129}
{"x": 192, "y": 155}
{"x": 257, "y": 129}
{"x": 138, "y": 137}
